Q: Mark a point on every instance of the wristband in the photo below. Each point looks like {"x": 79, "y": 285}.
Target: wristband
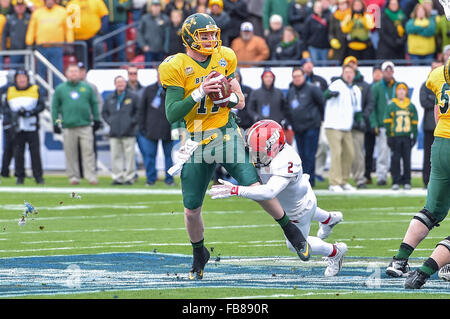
{"x": 198, "y": 94}
{"x": 233, "y": 100}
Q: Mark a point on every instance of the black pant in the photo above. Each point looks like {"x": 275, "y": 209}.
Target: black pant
{"x": 401, "y": 151}
{"x": 426, "y": 169}
{"x": 32, "y": 139}
{"x": 8, "y": 150}
{"x": 369, "y": 145}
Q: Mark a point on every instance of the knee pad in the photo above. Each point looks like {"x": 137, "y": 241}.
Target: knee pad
{"x": 425, "y": 217}
{"x": 445, "y": 243}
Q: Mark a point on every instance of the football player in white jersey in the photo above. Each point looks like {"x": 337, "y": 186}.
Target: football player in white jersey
{"x": 280, "y": 169}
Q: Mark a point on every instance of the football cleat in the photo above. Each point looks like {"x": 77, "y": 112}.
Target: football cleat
{"x": 398, "y": 268}
{"x": 416, "y": 279}
{"x": 200, "y": 260}
{"x": 335, "y": 262}
{"x": 444, "y": 273}
{"x": 325, "y": 229}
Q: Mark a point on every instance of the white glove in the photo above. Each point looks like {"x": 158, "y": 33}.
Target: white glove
{"x": 184, "y": 154}
{"x": 224, "y": 190}
{"x": 446, "y": 5}
{"x": 175, "y": 134}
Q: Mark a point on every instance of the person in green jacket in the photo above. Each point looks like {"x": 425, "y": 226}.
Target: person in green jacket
{"x": 382, "y": 92}
{"x": 75, "y": 108}
{"x": 118, "y": 18}
{"x": 400, "y": 120}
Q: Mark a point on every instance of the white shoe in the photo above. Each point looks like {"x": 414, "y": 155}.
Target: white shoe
{"x": 444, "y": 273}
{"x": 348, "y": 187}
{"x": 325, "y": 229}
{"x": 335, "y": 263}
{"x": 336, "y": 188}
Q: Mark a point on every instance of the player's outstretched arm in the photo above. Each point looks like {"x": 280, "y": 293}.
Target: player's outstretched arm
{"x": 257, "y": 192}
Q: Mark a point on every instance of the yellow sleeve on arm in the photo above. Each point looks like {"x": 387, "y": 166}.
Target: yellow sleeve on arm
{"x": 102, "y": 10}
{"x": 67, "y": 27}
{"x": 31, "y": 31}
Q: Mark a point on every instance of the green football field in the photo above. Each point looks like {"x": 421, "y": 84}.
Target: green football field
{"x": 131, "y": 242}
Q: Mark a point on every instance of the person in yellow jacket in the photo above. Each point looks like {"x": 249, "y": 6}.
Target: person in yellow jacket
{"x": 421, "y": 29}
{"x": 89, "y": 19}
{"x": 2, "y": 25}
{"x": 357, "y": 26}
{"x": 47, "y": 30}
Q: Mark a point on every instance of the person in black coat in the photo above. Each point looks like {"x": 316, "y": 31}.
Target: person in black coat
{"x": 237, "y": 10}
{"x": 268, "y": 102}
{"x": 8, "y": 134}
{"x": 291, "y": 47}
{"x": 120, "y": 112}
{"x": 427, "y": 101}
{"x": 175, "y": 42}
{"x": 245, "y": 115}
{"x": 153, "y": 126}
{"x": 306, "y": 112}
{"x": 392, "y": 41}
{"x": 298, "y": 11}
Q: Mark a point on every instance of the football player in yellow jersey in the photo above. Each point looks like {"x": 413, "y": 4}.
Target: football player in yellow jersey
{"x": 188, "y": 81}
{"x": 438, "y": 195}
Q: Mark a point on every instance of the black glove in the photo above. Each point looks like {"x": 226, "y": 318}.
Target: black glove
{"x": 413, "y": 141}
{"x": 334, "y": 93}
{"x": 24, "y": 113}
{"x": 97, "y": 125}
{"x": 56, "y": 129}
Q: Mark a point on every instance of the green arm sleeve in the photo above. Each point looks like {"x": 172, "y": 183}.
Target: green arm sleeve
{"x": 177, "y": 107}
{"x": 55, "y": 106}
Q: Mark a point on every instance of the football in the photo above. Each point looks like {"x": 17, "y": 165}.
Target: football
{"x": 221, "y": 98}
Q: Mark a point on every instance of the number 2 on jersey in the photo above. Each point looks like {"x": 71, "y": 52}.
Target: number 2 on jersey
{"x": 290, "y": 165}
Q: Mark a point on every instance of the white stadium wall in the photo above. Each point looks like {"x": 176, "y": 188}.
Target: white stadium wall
{"x": 53, "y": 155}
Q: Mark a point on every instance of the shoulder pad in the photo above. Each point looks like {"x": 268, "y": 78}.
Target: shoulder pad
{"x": 287, "y": 163}
{"x": 171, "y": 71}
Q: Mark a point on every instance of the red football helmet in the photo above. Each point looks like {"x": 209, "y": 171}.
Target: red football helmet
{"x": 265, "y": 139}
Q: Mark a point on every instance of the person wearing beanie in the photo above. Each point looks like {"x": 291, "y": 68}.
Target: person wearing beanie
{"x": 222, "y": 19}
{"x": 400, "y": 121}
{"x": 393, "y": 38}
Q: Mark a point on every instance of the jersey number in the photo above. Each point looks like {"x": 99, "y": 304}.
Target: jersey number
{"x": 403, "y": 124}
{"x": 444, "y": 97}
{"x": 202, "y": 107}
{"x": 290, "y": 164}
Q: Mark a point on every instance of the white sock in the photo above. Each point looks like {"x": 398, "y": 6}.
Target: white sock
{"x": 319, "y": 247}
{"x": 321, "y": 215}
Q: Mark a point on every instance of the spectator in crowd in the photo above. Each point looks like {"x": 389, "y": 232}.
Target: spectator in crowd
{"x": 117, "y": 19}
{"x": 393, "y": 36}
{"x": 305, "y": 103}
{"x": 400, "y": 121}
{"x": 442, "y": 33}
{"x": 360, "y": 127}
{"x": 268, "y": 101}
{"x": 153, "y": 127}
{"x": 15, "y": 31}
{"x": 315, "y": 34}
{"x": 336, "y": 37}
{"x": 182, "y": 5}
{"x": 75, "y": 106}
{"x": 275, "y": 34}
{"x": 369, "y": 136}
{"x": 299, "y": 11}
{"x": 120, "y": 112}
{"x": 201, "y": 6}
{"x": 246, "y": 116}
{"x": 421, "y": 29}
{"x": 291, "y": 47}
{"x": 153, "y": 33}
{"x": 5, "y": 7}
{"x": 2, "y": 25}
{"x": 89, "y": 19}
{"x": 326, "y": 10}
{"x": 255, "y": 13}
{"x": 222, "y": 19}
{"x": 250, "y": 47}
{"x": 357, "y": 26}
{"x": 308, "y": 67}
{"x": 271, "y": 7}
{"x": 445, "y": 53}
{"x": 383, "y": 92}
{"x": 343, "y": 106}
{"x": 137, "y": 6}
{"x": 24, "y": 104}
{"x": 48, "y": 25}
{"x": 175, "y": 42}
{"x": 237, "y": 10}
{"x": 8, "y": 133}
{"x": 427, "y": 101}
{"x": 133, "y": 84}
